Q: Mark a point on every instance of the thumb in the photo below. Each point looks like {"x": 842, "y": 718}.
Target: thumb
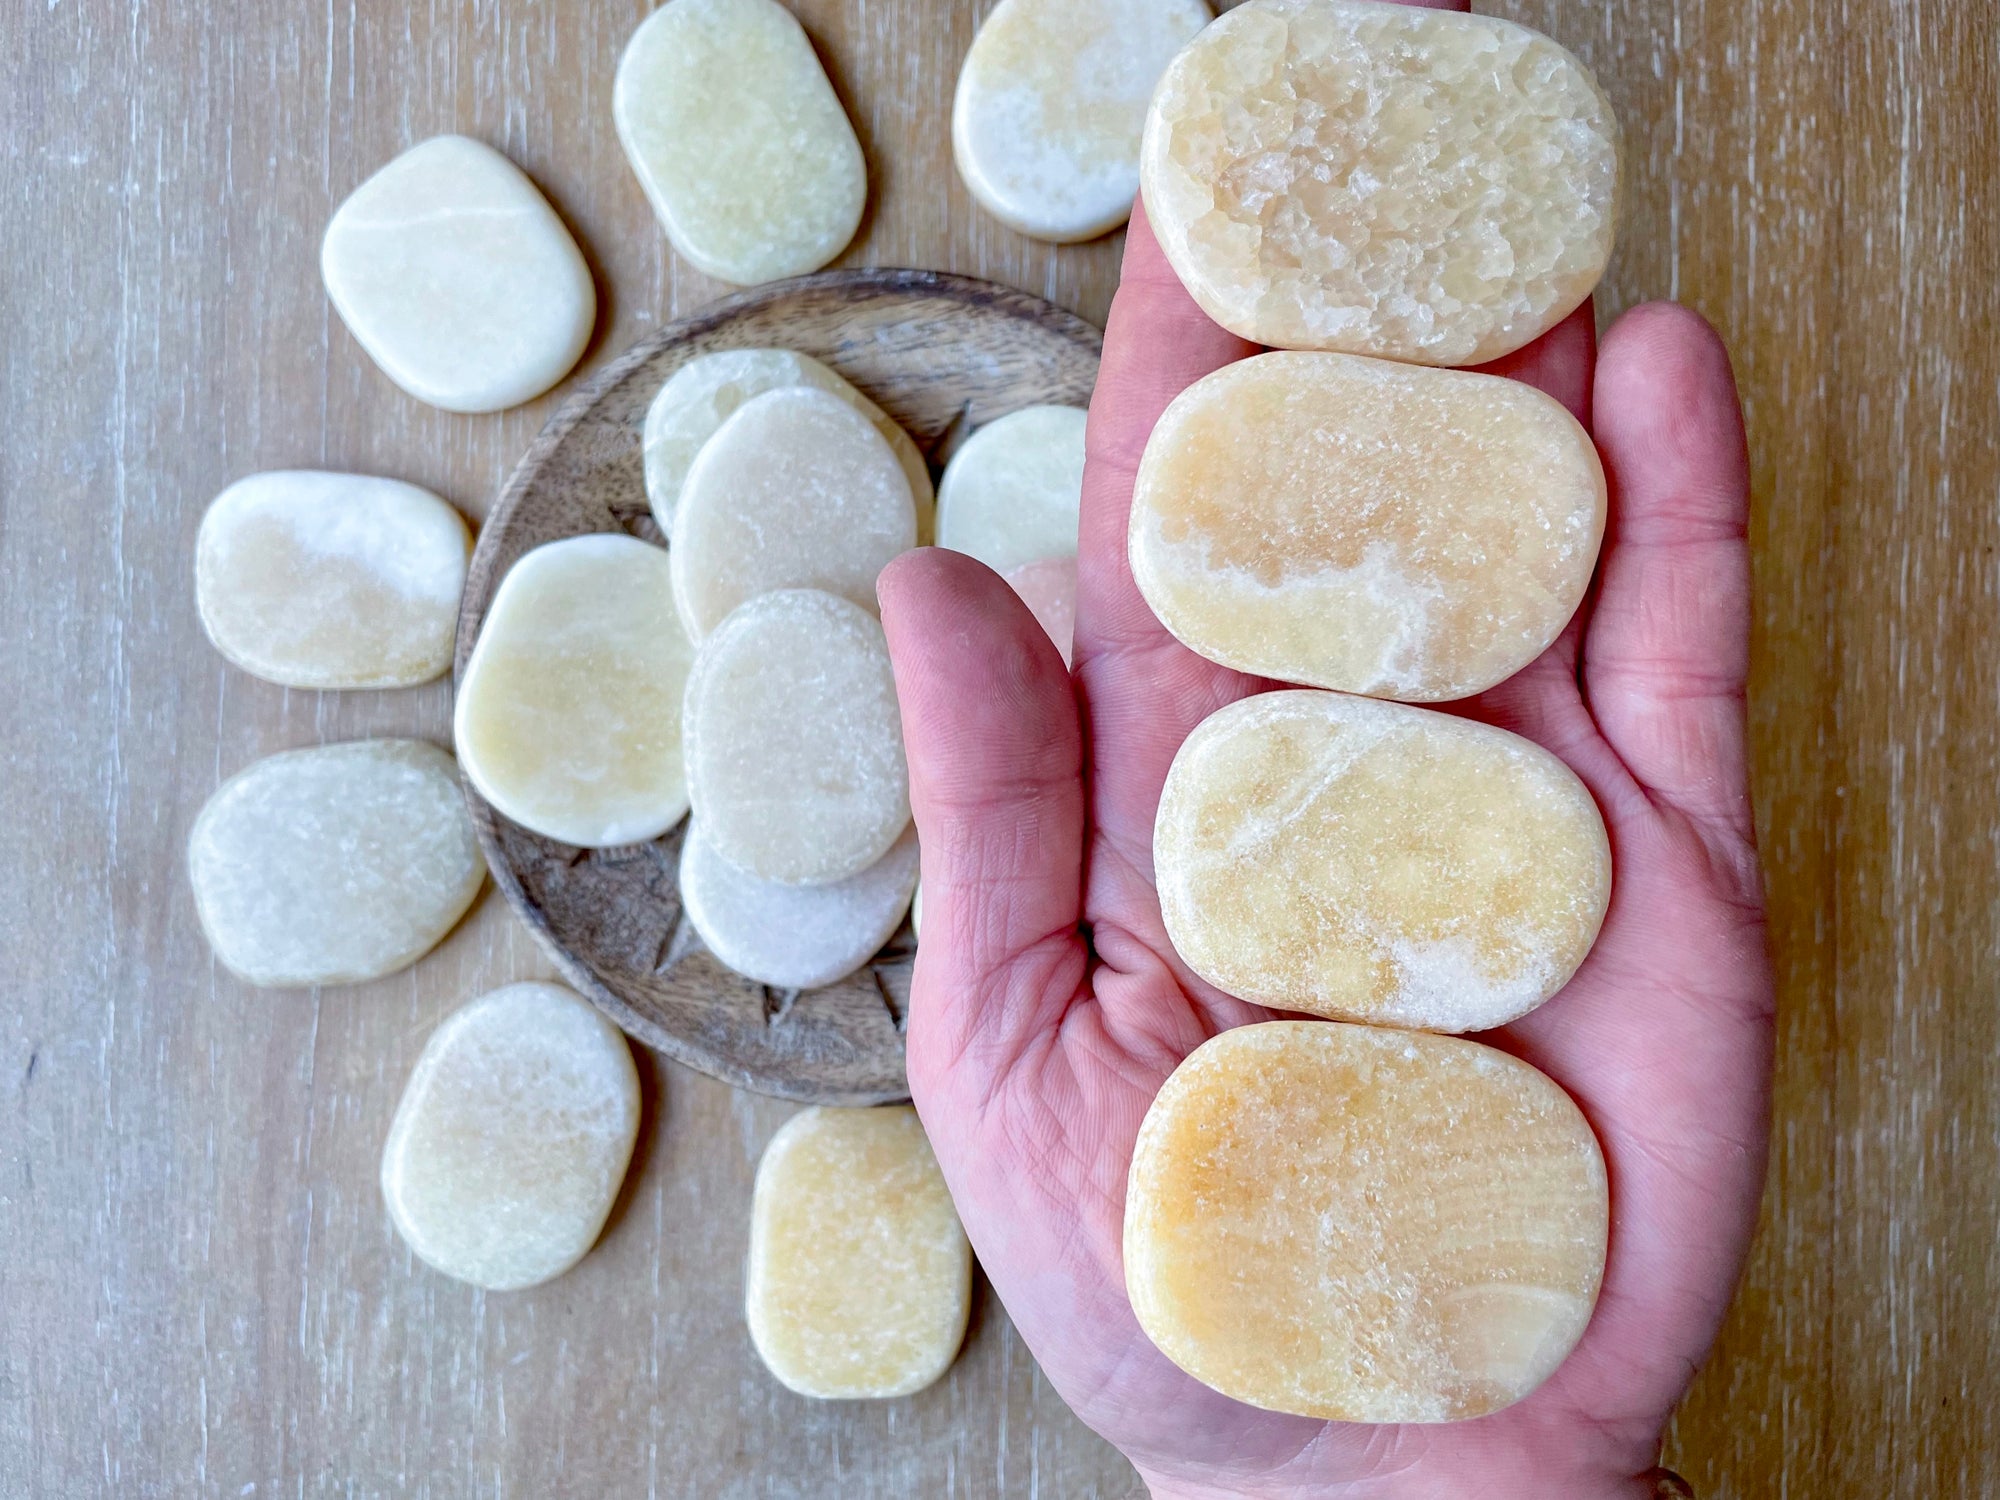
{"x": 996, "y": 784}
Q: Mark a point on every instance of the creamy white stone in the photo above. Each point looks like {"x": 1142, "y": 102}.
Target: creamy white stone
{"x": 512, "y": 1137}
{"x": 797, "y": 490}
{"x": 706, "y": 391}
{"x": 1013, "y": 491}
{"x": 317, "y": 580}
{"x": 738, "y": 139}
{"x": 794, "y": 936}
{"x": 1051, "y": 105}
{"x": 569, "y": 715}
{"x": 457, "y": 277}
{"x": 334, "y": 865}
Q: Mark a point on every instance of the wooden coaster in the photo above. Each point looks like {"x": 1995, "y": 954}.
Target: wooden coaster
{"x": 941, "y": 354}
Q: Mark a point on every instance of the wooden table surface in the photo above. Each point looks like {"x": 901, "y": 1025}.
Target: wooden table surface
{"x": 199, "y": 1291}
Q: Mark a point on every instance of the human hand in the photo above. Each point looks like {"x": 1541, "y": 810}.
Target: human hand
{"x": 1049, "y": 1006}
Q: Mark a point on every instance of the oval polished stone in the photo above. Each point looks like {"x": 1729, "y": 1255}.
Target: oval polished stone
{"x": 316, "y": 580}
{"x": 1373, "y": 862}
{"x": 1381, "y": 179}
{"x": 335, "y": 864}
{"x": 1051, "y": 104}
{"x": 1364, "y": 1225}
{"x": 738, "y": 139}
{"x": 1012, "y": 493}
{"x": 453, "y": 272}
{"x": 512, "y": 1137}
{"x": 569, "y": 714}
{"x": 860, "y": 1278}
{"x": 1366, "y": 526}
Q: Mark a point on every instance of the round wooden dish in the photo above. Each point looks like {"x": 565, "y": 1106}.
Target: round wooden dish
{"x": 941, "y": 354}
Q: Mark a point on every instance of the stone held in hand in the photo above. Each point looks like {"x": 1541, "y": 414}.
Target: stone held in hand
{"x": 1051, "y": 104}
{"x": 860, "y": 1278}
{"x": 738, "y": 139}
{"x": 795, "y": 740}
{"x": 569, "y": 714}
{"x": 320, "y": 580}
{"x": 1364, "y": 1225}
{"x": 797, "y": 490}
{"x": 794, "y": 937}
{"x": 1374, "y": 862}
{"x": 709, "y": 389}
{"x": 459, "y": 280}
{"x": 1378, "y": 179}
{"x": 512, "y": 1137}
{"x": 1012, "y": 493}
{"x": 1367, "y": 526}
{"x": 334, "y": 865}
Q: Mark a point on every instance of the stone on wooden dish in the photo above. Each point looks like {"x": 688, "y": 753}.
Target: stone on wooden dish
{"x": 1373, "y": 527}
{"x": 317, "y": 580}
{"x": 1364, "y": 1225}
{"x": 706, "y": 391}
{"x": 738, "y": 139}
{"x": 1012, "y": 493}
{"x": 1376, "y": 179}
{"x": 1048, "y": 588}
{"x": 569, "y": 714}
{"x": 795, "y": 740}
{"x": 512, "y": 1137}
{"x": 859, "y": 1278}
{"x": 1374, "y": 862}
{"x": 334, "y": 865}
{"x": 794, "y": 937}
{"x": 453, "y": 272}
{"x": 797, "y": 490}
{"x": 1051, "y": 105}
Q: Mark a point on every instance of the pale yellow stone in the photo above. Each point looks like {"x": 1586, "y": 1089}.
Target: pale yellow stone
{"x": 1373, "y": 527}
{"x": 317, "y": 580}
{"x": 1051, "y": 105}
{"x": 1012, "y": 493}
{"x": 795, "y": 740}
{"x": 569, "y": 714}
{"x": 797, "y": 490}
{"x": 860, "y": 1278}
{"x": 1380, "y": 179}
{"x": 794, "y": 937}
{"x": 334, "y": 865}
{"x": 706, "y": 391}
{"x": 738, "y": 139}
{"x": 1374, "y": 862}
{"x": 1364, "y": 1225}
{"x": 457, "y": 277}
{"x": 512, "y": 1137}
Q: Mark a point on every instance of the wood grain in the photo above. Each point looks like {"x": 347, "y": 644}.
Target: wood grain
{"x": 941, "y": 354}
{"x": 199, "y": 1292}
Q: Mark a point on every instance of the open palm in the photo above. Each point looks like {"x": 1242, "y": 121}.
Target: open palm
{"x": 1049, "y": 1006}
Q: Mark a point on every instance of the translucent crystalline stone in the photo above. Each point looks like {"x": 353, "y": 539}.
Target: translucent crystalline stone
{"x": 319, "y": 580}
{"x": 796, "y": 490}
{"x": 1364, "y": 1225}
{"x": 334, "y": 865}
{"x": 794, "y": 936}
{"x": 1379, "y": 179}
{"x": 457, "y": 277}
{"x": 1373, "y": 527}
{"x": 1048, "y": 588}
{"x": 512, "y": 1137}
{"x": 706, "y": 392}
{"x": 738, "y": 139}
{"x": 1051, "y": 104}
{"x": 860, "y": 1278}
{"x": 569, "y": 714}
{"x": 1379, "y": 863}
{"x": 1012, "y": 492}
{"x": 795, "y": 740}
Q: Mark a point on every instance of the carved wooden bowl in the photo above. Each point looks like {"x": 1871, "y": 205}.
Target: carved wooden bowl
{"x": 941, "y": 354}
